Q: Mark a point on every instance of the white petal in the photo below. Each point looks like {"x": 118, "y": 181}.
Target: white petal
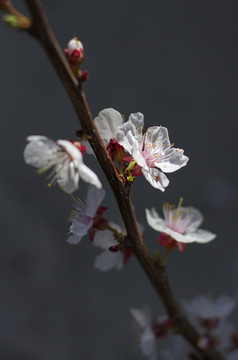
{"x": 68, "y": 176}
{"x": 194, "y": 218}
{"x": 175, "y": 161}
{"x": 137, "y": 119}
{"x": 108, "y": 122}
{"x": 126, "y": 138}
{"x": 141, "y": 317}
{"x": 109, "y": 260}
{"x": 158, "y": 137}
{"x": 156, "y": 178}
{"x": 74, "y": 239}
{"x": 40, "y": 151}
{"x": 94, "y": 199}
{"x": 89, "y": 176}
{"x": 104, "y": 239}
{"x": 225, "y": 304}
{"x": 79, "y": 228}
{"x": 199, "y": 236}
{"x": 148, "y": 344}
{"x": 153, "y": 219}
{"x": 206, "y": 307}
{"x": 139, "y": 159}
{"x": 72, "y": 150}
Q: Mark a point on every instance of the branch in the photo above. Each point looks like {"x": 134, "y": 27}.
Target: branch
{"x": 41, "y": 30}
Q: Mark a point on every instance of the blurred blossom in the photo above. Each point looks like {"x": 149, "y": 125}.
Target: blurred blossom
{"x": 149, "y": 329}
{"x": 114, "y": 258}
{"x": 180, "y": 226}
{"x": 87, "y": 215}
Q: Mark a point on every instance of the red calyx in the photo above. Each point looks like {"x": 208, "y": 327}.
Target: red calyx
{"x": 161, "y": 328}
{"x": 167, "y": 241}
{"x": 115, "y": 150}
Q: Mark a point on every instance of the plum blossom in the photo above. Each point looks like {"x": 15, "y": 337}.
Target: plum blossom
{"x": 180, "y": 226}
{"x": 111, "y": 257}
{"x": 152, "y": 152}
{"x": 63, "y": 157}
{"x": 87, "y": 215}
{"x": 149, "y": 330}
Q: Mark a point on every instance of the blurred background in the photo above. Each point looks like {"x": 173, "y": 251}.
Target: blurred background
{"x": 177, "y": 63}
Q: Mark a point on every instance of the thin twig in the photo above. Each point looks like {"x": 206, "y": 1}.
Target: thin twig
{"x": 121, "y": 189}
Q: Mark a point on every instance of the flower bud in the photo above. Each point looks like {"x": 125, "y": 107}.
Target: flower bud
{"x": 75, "y": 51}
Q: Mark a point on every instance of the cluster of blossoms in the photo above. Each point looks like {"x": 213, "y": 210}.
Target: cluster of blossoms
{"x": 150, "y": 154}
{"x": 208, "y": 315}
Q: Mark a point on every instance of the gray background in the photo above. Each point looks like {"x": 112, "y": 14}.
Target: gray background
{"x": 176, "y": 62}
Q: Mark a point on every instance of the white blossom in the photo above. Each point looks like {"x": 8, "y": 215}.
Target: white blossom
{"x": 143, "y": 324}
{"x": 65, "y": 160}
{"x": 151, "y": 151}
{"x": 84, "y": 214}
{"x": 108, "y": 260}
{"x": 180, "y": 223}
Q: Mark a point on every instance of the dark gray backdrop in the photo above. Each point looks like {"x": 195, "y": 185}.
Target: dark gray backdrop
{"x": 175, "y": 61}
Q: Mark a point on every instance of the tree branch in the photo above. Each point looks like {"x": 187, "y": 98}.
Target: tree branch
{"x": 121, "y": 189}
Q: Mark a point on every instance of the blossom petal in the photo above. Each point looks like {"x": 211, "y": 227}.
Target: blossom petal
{"x": 68, "y": 176}
{"x": 148, "y": 345}
{"x": 94, "y": 199}
{"x": 194, "y": 218}
{"x": 143, "y": 318}
{"x": 126, "y": 138}
{"x": 72, "y": 150}
{"x": 199, "y": 236}
{"x": 225, "y": 304}
{"x": 137, "y": 119}
{"x": 157, "y": 138}
{"x": 108, "y": 260}
{"x": 175, "y": 161}
{"x": 108, "y": 122}
{"x": 89, "y": 176}
{"x": 39, "y": 151}
{"x": 207, "y": 308}
{"x": 104, "y": 239}
{"x": 156, "y": 178}
{"x": 139, "y": 159}
{"x": 74, "y": 239}
{"x": 154, "y": 220}
{"x": 80, "y": 228}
